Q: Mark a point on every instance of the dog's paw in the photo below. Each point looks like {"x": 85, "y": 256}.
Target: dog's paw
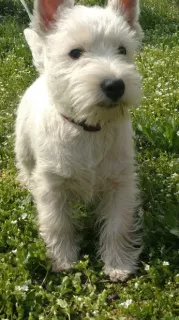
{"x": 116, "y": 274}
{"x": 59, "y": 266}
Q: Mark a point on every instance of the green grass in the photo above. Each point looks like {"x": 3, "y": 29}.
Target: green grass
{"x": 28, "y": 288}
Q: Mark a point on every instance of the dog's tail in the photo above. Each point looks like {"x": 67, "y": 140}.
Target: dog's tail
{"x": 26, "y": 9}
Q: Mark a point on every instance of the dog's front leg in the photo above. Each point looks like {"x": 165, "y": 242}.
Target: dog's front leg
{"x": 119, "y": 244}
{"x": 55, "y": 222}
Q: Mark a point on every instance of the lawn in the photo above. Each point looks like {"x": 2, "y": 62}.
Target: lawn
{"x": 28, "y": 288}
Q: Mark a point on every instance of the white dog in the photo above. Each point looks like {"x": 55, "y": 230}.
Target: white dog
{"x": 73, "y": 130}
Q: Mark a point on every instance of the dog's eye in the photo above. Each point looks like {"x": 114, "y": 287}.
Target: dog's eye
{"x": 122, "y": 50}
{"x": 75, "y": 53}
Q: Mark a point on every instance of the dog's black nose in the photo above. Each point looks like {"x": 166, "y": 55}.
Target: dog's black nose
{"x": 113, "y": 89}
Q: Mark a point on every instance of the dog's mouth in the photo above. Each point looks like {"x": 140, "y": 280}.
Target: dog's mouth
{"x": 111, "y": 104}
{"x": 108, "y": 105}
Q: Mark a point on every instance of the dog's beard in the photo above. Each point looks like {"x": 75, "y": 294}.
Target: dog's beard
{"x": 101, "y": 112}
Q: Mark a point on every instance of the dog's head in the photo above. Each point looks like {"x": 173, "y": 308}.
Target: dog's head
{"x": 87, "y": 56}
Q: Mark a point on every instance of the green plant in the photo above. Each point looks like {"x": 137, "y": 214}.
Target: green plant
{"x": 28, "y": 288}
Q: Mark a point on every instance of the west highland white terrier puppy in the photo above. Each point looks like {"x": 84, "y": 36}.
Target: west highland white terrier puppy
{"x": 73, "y": 129}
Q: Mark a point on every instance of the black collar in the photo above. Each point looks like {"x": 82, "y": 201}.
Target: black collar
{"x": 84, "y": 125}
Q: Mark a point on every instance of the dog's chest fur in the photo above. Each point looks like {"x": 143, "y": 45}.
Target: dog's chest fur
{"x": 87, "y": 161}
{"x": 83, "y": 159}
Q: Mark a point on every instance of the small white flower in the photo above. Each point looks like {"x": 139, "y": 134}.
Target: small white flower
{"x": 165, "y": 263}
{"x": 136, "y": 285}
{"x": 22, "y": 288}
{"x": 14, "y": 221}
{"x": 95, "y": 311}
{"x": 147, "y": 267}
{"x": 158, "y": 92}
{"x": 178, "y": 133}
{"x": 24, "y": 215}
{"x": 14, "y": 251}
{"x": 25, "y": 287}
{"x": 21, "y": 244}
{"x": 18, "y": 288}
{"x": 174, "y": 175}
{"x": 126, "y": 303}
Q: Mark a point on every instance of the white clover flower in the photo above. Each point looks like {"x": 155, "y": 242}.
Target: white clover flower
{"x": 126, "y": 303}
{"x": 136, "y": 285}
{"x": 165, "y": 263}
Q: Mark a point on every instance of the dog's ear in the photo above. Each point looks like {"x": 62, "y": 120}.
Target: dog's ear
{"x": 130, "y": 10}
{"x": 46, "y": 12}
{"x": 36, "y": 45}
